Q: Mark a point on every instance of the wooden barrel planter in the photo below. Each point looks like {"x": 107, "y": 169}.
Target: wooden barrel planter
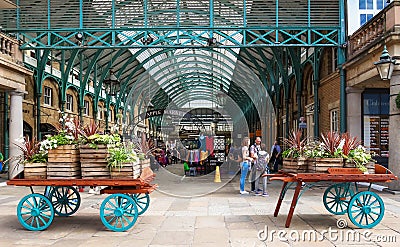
{"x": 321, "y": 165}
{"x": 127, "y": 170}
{"x": 63, "y": 162}
{"x": 94, "y": 162}
{"x": 295, "y": 165}
{"x": 35, "y": 170}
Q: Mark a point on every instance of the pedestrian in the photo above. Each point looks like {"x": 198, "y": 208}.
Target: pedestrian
{"x": 276, "y": 156}
{"x": 245, "y": 164}
{"x": 253, "y": 154}
{"x": 259, "y": 167}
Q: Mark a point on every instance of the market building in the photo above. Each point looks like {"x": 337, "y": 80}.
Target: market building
{"x": 278, "y": 65}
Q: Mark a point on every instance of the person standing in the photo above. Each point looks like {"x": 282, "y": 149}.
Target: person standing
{"x": 276, "y": 156}
{"x": 254, "y": 149}
{"x": 245, "y": 164}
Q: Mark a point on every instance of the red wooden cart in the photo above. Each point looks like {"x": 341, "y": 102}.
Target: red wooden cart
{"x": 129, "y": 198}
{"x": 365, "y": 208}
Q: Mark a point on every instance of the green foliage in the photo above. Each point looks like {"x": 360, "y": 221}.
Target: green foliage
{"x": 360, "y": 157}
{"x": 398, "y": 101}
{"x": 31, "y": 150}
{"x": 99, "y": 139}
{"x": 38, "y": 158}
{"x": 296, "y": 145}
{"x": 119, "y": 156}
{"x": 291, "y": 153}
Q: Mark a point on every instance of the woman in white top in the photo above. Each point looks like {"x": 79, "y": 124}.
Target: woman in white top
{"x": 245, "y": 164}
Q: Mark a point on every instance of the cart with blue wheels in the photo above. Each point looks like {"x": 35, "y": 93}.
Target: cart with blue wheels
{"x": 365, "y": 209}
{"x": 128, "y": 199}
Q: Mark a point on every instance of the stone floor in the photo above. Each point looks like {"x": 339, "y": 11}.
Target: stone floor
{"x": 195, "y": 211}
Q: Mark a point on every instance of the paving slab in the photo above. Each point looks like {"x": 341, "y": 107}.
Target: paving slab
{"x": 222, "y": 218}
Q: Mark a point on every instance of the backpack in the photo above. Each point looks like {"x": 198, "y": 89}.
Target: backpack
{"x": 259, "y": 164}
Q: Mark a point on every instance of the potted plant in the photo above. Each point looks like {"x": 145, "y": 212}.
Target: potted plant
{"x": 356, "y": 155}
{"x": 123, "y": 162}
{"x": 95, "y": 150}
{"x": 63, "y": 151}
{"x": 34, "y": 159}
{"x": 293, "y": 157}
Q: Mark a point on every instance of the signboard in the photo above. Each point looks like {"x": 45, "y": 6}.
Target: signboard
{"x": 376, "y": 134}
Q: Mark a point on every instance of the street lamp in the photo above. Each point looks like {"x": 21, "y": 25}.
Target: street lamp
{"x": 111, "y": 84}
{"x": 385, "y": 65}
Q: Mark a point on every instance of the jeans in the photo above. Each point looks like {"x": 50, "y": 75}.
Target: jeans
{"x": 244, "y": 167}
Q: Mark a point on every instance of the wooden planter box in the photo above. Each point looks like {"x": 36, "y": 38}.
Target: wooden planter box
{"x": 144, "y": 163}
{"x": 128, "y": 170}
{"x": 94, "y": 162}
{"x": 296, "y": 165}
{"x": 63, "y": 162}
{"x": 370, "y": 166}
{"x": 321, "y": 165}
{"x": 35, "y": 170}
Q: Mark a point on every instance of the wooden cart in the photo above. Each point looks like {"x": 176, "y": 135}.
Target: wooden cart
{"x": 365, "y": 209}
{"x": 119, "y": 211}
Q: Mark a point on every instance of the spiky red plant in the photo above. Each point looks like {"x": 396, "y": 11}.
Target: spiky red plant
{"x": 349, "y": 143}
{"x": 331, "y": 141}
{"x": 29, "y": 147}
{"x": 295, "y": 141}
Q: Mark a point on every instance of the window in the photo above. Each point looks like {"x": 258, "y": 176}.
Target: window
{"x": 365, "y": 4}
{"x": 86, "y": 107}
{"x": 334, "y": 115}
{"x": 70, "y": 102}
{"x": 380, "y": 4}
{"x": 364, "y": 18}
{"x": 99, "y": 113}
{"x": 47, "y": 95}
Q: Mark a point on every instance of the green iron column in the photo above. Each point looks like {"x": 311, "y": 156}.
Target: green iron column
{"x": 38, "y": 116}
{"x": 316, "y": 108}
{"x": 341, "y": 60}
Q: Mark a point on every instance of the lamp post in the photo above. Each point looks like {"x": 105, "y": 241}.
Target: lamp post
{"x": 385, "y": 65}
{"x": 111, "y": 84}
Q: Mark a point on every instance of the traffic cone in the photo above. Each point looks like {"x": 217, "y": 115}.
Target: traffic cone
{"x": 217, "y": 178}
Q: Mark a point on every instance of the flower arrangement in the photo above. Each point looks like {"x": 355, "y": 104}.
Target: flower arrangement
{"x": 343, "y": 146}
{"x": 296, "y": 145}
{"x": 331, "y": 145}
{"x": 121, "y": 154}
{"x": 32, "y": 152}
{"x": 68, "y": 133}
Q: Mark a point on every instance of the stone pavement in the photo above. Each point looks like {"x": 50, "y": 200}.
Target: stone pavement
{"x": 219, "y": 218}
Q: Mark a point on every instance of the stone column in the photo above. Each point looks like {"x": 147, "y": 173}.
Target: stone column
{"x": 16, "y": 131}
{"x": 394, "y": 129}
{"x": 354, "y": 114}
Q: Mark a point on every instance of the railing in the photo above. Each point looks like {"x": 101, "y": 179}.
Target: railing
{"x": 9, "y": 47}
{"x": 373, "y": 30}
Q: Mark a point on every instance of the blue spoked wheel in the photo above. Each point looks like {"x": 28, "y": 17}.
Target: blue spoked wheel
{"x": 366, "y": 209}
{"x": 118, "y": 212}
{"x": 65, "y": 199}
{"x": 35, "y": 212}
{"x": 336, "y": 198}
{"x": 142, "y": 202}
